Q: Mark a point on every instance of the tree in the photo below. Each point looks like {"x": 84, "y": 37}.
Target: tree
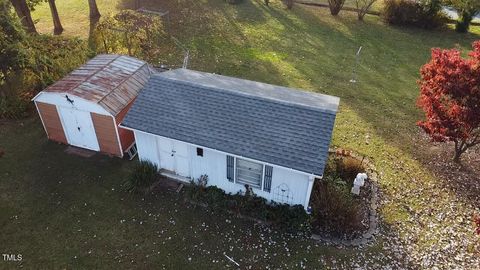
{"x": 450, "y": 97}
{"x": 362, "y": 7}
{"x": 335, "y": 6}
{"x": 94, "y": 13}
{"x": 466, "y": 10}
{"x": 57, "y": 25}
{"x": 136, "y": 33}
{"x": 289, "y": 4}
{"x": 13, "y": 56}
{"x": 23, "y": 12}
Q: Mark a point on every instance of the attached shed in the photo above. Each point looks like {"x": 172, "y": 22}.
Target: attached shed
{"x": 238, "y": 132}
{"x": 85, "y": 108}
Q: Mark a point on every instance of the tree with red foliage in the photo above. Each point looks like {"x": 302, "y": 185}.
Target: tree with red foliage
{"x": 450, "y": 97}
{"x": 476, "y": 220}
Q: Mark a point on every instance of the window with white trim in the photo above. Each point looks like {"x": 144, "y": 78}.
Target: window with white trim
{"x": 249, "y": 173}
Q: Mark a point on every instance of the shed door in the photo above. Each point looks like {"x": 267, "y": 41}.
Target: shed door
{"x": 166, "y": 153}
{"x": 79, "y": 128}
{"x": 174, "y": 156}
{"x": 182, "y": 164}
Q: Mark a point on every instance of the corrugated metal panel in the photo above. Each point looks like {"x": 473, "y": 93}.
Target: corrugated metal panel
{"x": 112, "y": 81}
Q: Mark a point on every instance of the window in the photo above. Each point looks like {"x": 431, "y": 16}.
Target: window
{"x": 199, "y": 152}
{"x": 249, "y": 173}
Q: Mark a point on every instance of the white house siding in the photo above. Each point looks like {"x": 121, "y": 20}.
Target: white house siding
{"x": 185, "y": 162}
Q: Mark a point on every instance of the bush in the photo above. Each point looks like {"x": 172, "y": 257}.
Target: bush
{"x": 130, "y": 32}
{"x": 413, "y": 13}
{"x": 48, "y": 59}
{"x": 143, "y": 175}
{"x": 347, "y": 168}
{"x": 334, "y": 207}
{"x": 292, "y": 219}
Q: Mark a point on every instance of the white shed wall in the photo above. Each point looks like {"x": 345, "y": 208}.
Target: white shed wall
{"x": 186, "y": 163}
{"x": 79, "y": 103}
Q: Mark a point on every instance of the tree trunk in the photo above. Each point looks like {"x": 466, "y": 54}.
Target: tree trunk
{"x": 23, "y": 12}
{"x": 463, "y": 23}
{"x": 457, "y": 155}
{"x": 94, "y": 13}
{"x": 335, "y": 6}
{"x": 289, "y": 4}
{"x": 58, "y": 29}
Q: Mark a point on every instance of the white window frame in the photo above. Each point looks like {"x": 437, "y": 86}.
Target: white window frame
{"x": 235, "y": 173}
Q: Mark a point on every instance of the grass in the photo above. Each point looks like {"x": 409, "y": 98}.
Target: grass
{"x": 303, "y": 48}
{"x": 63, "y": 211}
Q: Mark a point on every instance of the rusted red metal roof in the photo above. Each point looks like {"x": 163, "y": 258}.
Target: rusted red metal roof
{"x": 110, "y": 80}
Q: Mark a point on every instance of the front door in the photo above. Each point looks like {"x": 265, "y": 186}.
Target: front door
{"x": 78, "y": 127}
{"x": 174, "y": 156}
{"x": 182, "y": 164}
{"x": 166, "y": 153}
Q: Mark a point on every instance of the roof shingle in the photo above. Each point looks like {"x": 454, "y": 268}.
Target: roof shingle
{"x": 276, "y": 125}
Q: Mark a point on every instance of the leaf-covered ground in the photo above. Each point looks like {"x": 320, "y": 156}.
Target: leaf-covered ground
{"x": 426, "y": 206}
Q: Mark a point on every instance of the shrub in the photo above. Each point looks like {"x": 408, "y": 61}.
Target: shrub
{"x": 287, "y": 218}
{"x": 143, "y": 175}
{"x": 347, "y": 168}
{"x": 414, "y": 13}
{"x": 334, "y": 207}
{"x": 48, "y": 58}
{"x": 130, "y": 32}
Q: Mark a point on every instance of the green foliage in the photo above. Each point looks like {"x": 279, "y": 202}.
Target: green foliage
{"x": 143, "y": 175}
{"x": 466, "y": 11}
{"x": 46, "y": 59}
{"x": 28, "y": 63}
{"x": 13, "y": 55}
{"x": 334, "y": 208}
{"x": 130, "y": 32}
{"x": 284, "y": 217}
{"x": 423, "y": 14}
{"x": 464, "y": 20}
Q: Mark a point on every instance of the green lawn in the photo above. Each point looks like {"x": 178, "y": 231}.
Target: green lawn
{"x": 304, "y": 48}
{"x": 62, "y": 211}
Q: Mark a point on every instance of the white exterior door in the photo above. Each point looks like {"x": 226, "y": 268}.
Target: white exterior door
{"x": 174, "y": 156}
{"x": 166, "y": 154}
{"x": 182, "y": 164}
{"x": 78, "y": 128}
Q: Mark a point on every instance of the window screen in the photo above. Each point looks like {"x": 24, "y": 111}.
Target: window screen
{"x": 249, "y": 173}
{"x": 230, "y": 168}
{"x": 267, "y": 179}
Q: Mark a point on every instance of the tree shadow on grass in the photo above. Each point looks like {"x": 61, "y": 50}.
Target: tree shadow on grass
{"x": 308, "y": 48}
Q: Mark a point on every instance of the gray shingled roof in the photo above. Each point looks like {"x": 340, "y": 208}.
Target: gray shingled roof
{"x": 273, "y": 124}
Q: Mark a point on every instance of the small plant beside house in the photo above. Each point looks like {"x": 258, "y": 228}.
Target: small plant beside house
{"x": 142, "y": 177}
{"x": 336, "y": 210}
{"x": 291, "y": 219}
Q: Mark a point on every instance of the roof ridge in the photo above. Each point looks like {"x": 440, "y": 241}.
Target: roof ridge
{"x": 245, "y": 94}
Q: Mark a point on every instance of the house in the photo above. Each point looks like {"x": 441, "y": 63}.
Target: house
{"x": 238, "y": 132}
{"x": 85, "y": 108}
